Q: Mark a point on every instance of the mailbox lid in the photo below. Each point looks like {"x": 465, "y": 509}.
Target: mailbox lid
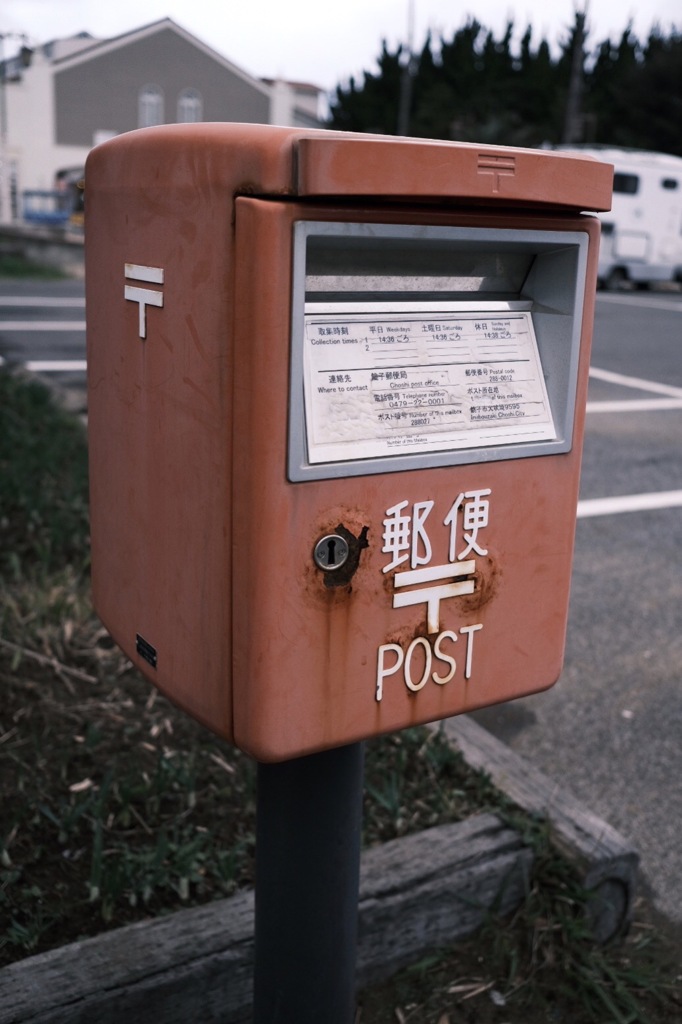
{"x": 361, "y": 165}
{"x": 265, "y": 160}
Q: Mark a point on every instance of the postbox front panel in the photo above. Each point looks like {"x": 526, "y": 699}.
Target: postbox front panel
{"x": 455, "y": 556}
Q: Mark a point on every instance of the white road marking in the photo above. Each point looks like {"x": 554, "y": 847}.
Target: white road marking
{"x": 56, "y": 365}
{"x": 638, "y": 383}
{"x": 42, "y": 325}
{"x": 53, "y": 365}
{"x": 636, "y": 405}
{"x": 589, "y": 507}
{"x": 628, "y": 503}
{"x": 40, "y": 302}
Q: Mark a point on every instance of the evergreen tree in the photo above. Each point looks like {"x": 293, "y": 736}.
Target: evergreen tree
{"x": 611, "y": 91}
{"x": 656, "y": 113}
{"x": 372, "y": 107}
{"x": 476, "y": 87}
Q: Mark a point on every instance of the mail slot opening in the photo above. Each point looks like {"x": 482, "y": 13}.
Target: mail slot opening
{"x": 431, "y": 346}
{"x": 342, "y": 268}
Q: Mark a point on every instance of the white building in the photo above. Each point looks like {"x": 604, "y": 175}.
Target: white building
{"x": 62, "y": 98}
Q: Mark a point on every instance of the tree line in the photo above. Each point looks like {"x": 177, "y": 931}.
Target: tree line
{"x": 479, "y": 88}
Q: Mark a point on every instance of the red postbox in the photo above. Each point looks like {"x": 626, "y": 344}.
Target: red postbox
{"x": 336, "y": 403}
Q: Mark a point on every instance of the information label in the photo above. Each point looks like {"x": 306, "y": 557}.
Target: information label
{"x": 388, "y": 383}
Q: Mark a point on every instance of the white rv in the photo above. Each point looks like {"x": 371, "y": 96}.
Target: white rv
{"x": 642, "y": 234}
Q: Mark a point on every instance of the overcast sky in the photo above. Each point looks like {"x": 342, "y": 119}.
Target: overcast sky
{"x": 321, "y": 42}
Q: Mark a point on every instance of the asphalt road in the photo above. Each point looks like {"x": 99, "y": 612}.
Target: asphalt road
{"x": 42, "y": 326}
{"x": 610, "y": 730}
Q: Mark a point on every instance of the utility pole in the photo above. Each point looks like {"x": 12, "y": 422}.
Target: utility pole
{"x": 5, "y": 167}
{"x": 573, "y": 120}
{"x": 406, "y": 77}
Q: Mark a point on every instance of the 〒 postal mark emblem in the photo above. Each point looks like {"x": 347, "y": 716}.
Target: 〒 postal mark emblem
{"x": 143, "y": 296}
{"x": 497, "y": 167}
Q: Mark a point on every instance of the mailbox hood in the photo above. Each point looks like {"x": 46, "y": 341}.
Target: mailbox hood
{"x": 263, "y": 160}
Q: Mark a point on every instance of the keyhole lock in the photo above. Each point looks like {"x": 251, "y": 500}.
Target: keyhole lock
{"x": 331, "y": 552}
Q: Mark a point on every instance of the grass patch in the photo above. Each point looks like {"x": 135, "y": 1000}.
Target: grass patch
{"x": 15, "y": 265}
{"x": 540, "y": 978}
{"x": 43, "y": 478}
{"x": 116, "y": 806}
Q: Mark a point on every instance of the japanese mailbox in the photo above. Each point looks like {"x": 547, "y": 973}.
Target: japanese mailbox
{"x": 336, "y": 398}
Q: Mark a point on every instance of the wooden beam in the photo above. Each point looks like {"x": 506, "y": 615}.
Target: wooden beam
{"x": 607, "y": 862}
{"x": 417, "y": 893}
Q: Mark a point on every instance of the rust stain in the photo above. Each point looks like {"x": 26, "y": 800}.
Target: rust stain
{"x": 343, "y": 575}
{"x": 349, "y": 523}
{"x": 387, "y": 582}
{"x": 316, "y": 594}
{"x": 487, "y": 578}
{"x": 352, "y": 518}
{"x": 404, "y": 636}
{"x": 334, "y": 589}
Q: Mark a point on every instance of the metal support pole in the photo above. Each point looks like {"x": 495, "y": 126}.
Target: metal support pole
{"x": 307, "y": 880}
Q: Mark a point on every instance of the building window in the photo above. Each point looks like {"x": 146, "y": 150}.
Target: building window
{"x": 150, "y": 106}
{"x": 190, "y": 106}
